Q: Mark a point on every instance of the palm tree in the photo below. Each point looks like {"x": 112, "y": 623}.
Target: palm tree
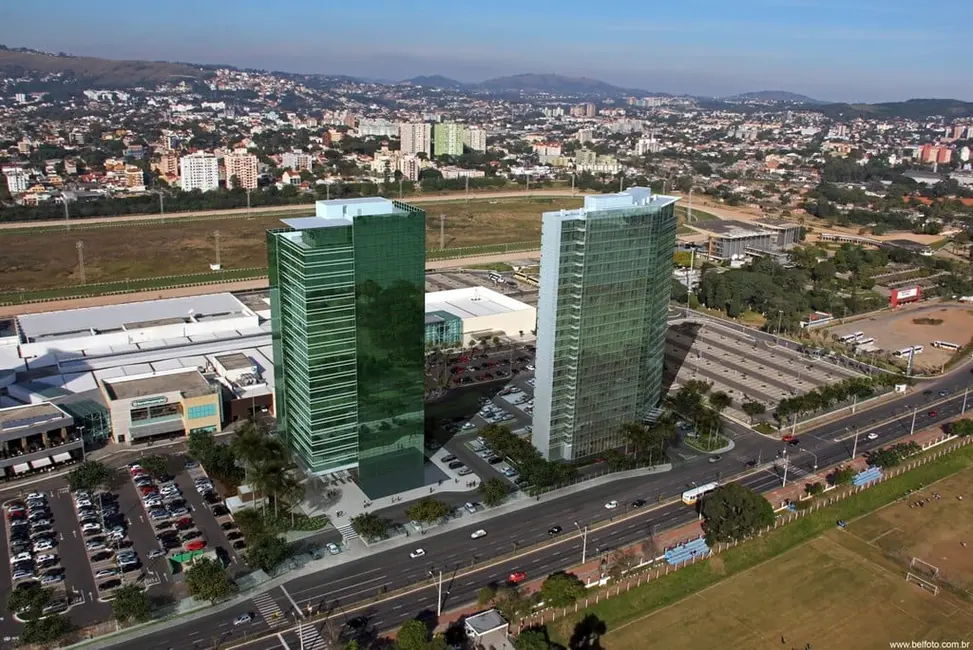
{"x": 636, "y": 435}
{"x": 248, "y": 446}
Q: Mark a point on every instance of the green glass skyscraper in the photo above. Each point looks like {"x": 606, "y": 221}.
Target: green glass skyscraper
{"x": 606, "y": 272}
{"x": 347, "y": 305}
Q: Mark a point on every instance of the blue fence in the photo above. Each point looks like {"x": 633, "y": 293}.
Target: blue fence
{"x": 687, "y": 551}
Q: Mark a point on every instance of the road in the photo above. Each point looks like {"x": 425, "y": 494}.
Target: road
{"x": 339, "y": 589}
{"x": 304, "y": 207}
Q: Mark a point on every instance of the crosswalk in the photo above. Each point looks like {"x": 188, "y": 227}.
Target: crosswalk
{"x": 347, "y": 532}
{"x": 268, "y": 608}
{"x": 310, "y": 638}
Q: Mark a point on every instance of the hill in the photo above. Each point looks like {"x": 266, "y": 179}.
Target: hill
{"x": 435, "y": 81}
{"x": 774, "y": 96}
{"x": 914, "y": 109}
{"x": 550, "y": 83}
{"x": 98, "y": 72}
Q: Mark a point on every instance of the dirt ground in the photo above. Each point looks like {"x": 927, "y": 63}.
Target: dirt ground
{"x": 933, "y": 532}
{"x": 49, "y": 259}
{"x": 897, "y": 329}
{"x": 846, "y": 589}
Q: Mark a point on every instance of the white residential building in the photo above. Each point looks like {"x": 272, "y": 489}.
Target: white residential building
{"x": 476, "y": 138}
{"x": 244, "y": 167}
{"x": 377, "y": 128}
{"x": 199, "y": 171}
{"x": 296, "y": 160}
{"x": 16, "y": 180}
{"x": 416, "y": 137}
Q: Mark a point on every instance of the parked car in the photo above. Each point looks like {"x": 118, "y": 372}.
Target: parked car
{"x": 106, "y": 573}
{"x": 243, "y": 619}
{"x": 94, "y": 545}
{"x": 417, "y": 553}
{"x": 196, "y": 545}
{"x": 611, "y": 505}
{"x": 517, "y": 577}
{"x": 477, "y": 534}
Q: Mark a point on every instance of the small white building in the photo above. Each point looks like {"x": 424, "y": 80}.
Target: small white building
{"x": 484, "y": 311}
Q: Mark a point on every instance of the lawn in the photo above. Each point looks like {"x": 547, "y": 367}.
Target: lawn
{"x": 811, "y": 583}
{"x": 36, "y": 260}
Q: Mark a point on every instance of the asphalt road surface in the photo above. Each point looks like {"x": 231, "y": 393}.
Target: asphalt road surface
{"x": 339, "y": 589}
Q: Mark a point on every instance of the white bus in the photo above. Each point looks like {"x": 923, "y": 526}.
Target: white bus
{"x": 946, "y": 345}
{"x": 496, "y": 277}
{"x": 850, "y": 338}
{"x": 904, "y": 352}
{"x": 864, "y": 342}
{"x": 690, "y": 497}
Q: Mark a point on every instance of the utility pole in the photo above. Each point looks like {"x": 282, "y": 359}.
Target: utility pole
{"x": 584, "y": 541}
{"x": 80, "y": 246}
{"x": 162, "y": 205}
{"x": 784, "y": 480}
{"x": 216, "y": 235}
{"x": 572, "y": 183}
{"x": 64, "y": 202}
{"x": 327, "y": 189}
{"x": 400, "y": 188}
{"x": 621, "y": 183}
{"x": 854, "y": 449}
{"x": 527, "y": 176}
{"x": 780, "y": 317}
{"x": 467, "y": 188}
{"x": 689, "y": 210}
{"x": 442, "y": 231}
{"x": 248, "y": 203}
{"x": 915, "y": 412}
{"x": 965, "y": 394}
{"x": 439, "y": 602}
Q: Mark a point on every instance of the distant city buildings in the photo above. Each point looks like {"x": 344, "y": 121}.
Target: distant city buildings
{"x": 17, "y": 181}
{"x": 243, "y": 167}
{"x": 348, "y": 320}
{"x": 199, "y": 171}
{"x": 377, "y": 128}
{"x": 476, "y": 138}
{"x": 415, "y": 138}
{"x": 601, "y": 320}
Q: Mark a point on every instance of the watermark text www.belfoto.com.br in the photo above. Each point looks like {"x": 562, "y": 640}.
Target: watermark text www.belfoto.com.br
{"x": 930, "y": 645}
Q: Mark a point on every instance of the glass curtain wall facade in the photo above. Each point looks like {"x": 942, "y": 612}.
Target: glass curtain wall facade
{"x": 604, "y": 295}
{"x": 348, "y": 316}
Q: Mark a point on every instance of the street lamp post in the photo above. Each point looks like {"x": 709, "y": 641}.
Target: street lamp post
{"x": 780, "y": 317}
{"x": 584, "y": 541}
{"x": 965, "y": 394}
{"x": 915, "y": 412}
{"x": 784, "y": 479}
{"x": 854, "y": 449}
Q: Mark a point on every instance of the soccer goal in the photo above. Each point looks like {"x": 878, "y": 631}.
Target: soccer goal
{"x": 922, "y": 582}
{"x": 926, "y": 569}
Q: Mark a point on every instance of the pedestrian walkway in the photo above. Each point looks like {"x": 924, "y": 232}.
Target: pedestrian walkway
{"x": 310, "y": 638}
{"x": 347, "y": 532}
{"x": 268, "y": 608}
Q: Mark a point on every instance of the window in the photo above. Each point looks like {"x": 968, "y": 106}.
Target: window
{"x": 204, "y": 411}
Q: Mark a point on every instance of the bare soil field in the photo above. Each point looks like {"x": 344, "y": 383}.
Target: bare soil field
{"x": 846, "y": 589}
{"x": 917, "y": 325}
{"x": 49, "y": 259}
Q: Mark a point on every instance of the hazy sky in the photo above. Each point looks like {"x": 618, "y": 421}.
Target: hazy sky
{"x": 842, "y": 50}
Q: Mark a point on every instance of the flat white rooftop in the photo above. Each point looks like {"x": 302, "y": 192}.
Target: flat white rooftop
{"x": 633, "y": 197}
{"x": 129, "y": 316}
{"x": 471, "y": 302}
{"x": 341, "y": 212}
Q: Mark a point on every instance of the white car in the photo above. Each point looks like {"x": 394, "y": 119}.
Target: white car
{"x": 333, "y": 548}
{"x": 478, "y": 534}
{"x": 43, "y": 545}
{"x": 155, "y": 553}
{"x": 611, "y": 505}
{"x": 21, "y": 557}
{"x": 417, "y": 553}
{"x": 872, "y": 436}
{"x": 242, "y": 619}
{"x": 86, "y": 528}
{"x": 45, "y": 557}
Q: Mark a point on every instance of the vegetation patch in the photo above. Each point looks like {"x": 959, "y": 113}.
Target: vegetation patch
{"x": 925, "y": 320}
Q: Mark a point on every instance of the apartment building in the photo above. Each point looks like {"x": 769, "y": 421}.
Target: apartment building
{"x": 243, "y": 167}
{"x": 448, "y": 139}
{"x": 296, "y": 160}
{"x": 476, "y": 138}
{"x": 415, "y": 137}
{"x": 199, "y": 171}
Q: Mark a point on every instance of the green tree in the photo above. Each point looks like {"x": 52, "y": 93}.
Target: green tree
{"x": 753, "y": 409}
{"x": 842, "y": 476}
{"x": 427, "y": 510}
{"x": 268, "y": 553}
{"x": 371, "y": 526}
{"x": 494, "y": 491}
{"x": 961, "y": 428}
{"x": 45, "y": 631}
{"x": 131, "y": 604}
{"x": 29, "y": 602}
{"x": 413, "y": 635}
{"x": 733, "y": 512}
{"x": 248, "y": 446}
{"x": 535, "y": 638}
{"x": 89, "y": 475}
{"x": 814, "y": 489}
{"x": 155, "y": 464}
{"x": 485, "y": 596}
{"x": 719, "y": 401}
{"x": 561, "y": 589}
{"x": 512, "y": 604}
{"x": 637, "y": 436}
{"x": 206, "y": 580}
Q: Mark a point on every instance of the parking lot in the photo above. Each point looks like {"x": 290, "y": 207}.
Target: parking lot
{"x": 742, "y": 367}
{"x": 459, "y": 279}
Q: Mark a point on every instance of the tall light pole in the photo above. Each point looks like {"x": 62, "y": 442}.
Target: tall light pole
{"x": 584, "y": 541}
{"x": 572, "y": 183}
{"x": 815, "y": 458}
{"x": 854, "y": 449}
{"x": 965, "y": 394}
{"x": 784, "y": 479}
{"x": 439, "y": 600}
{"x": 248, "y": 203}
{"x": 780, "y": 317}
{"x": 915, "y": 412}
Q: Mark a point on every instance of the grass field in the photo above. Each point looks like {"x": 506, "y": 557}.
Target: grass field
{"x": 811, "y": 583}
{"x": 35, "y": 260}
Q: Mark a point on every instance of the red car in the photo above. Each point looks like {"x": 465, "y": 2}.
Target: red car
{"x": 932, "y": 414}
{"x": 196, "y": 545}
{"x": 517, "y": 577}
{"x": 147, "y": 490}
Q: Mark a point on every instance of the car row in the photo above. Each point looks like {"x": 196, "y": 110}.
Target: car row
{"x": 32, "y": 541}
{"x": 168, "y": 511}
{"x": 105, "y": 533}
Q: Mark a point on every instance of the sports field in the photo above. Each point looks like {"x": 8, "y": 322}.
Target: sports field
{"x": 48, "y": 258}
{"x": 844, "y": 589}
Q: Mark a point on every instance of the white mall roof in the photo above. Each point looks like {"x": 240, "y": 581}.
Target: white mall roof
{"x": 129, "y": 316}
{"x": 472, "y": 302}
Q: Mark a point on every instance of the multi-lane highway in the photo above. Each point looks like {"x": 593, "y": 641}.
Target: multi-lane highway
{"x": 343, "y": 588}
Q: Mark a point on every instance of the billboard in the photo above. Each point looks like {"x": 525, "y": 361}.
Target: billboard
{"x": 900, "y": 296}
